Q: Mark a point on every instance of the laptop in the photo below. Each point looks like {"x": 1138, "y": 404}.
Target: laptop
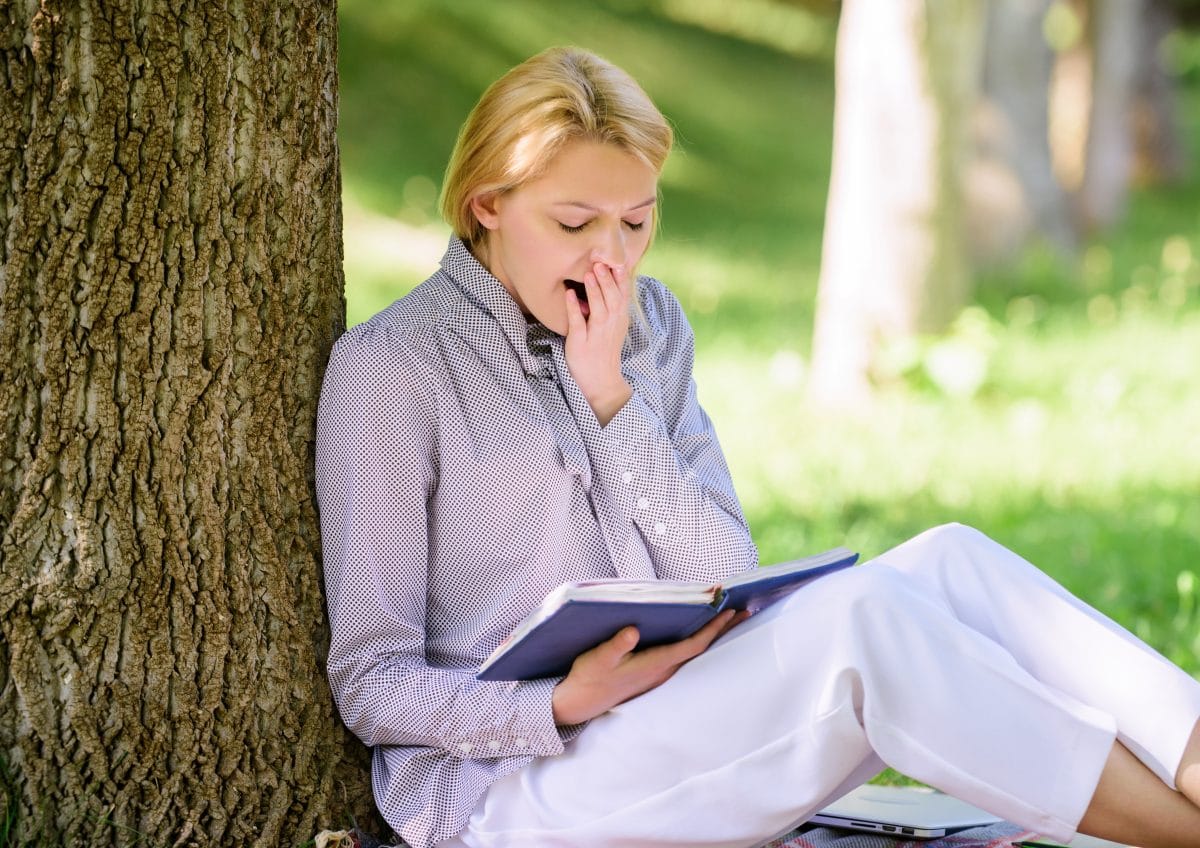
{"x": 909, "y": 811}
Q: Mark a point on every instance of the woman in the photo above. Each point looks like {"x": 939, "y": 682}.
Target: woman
{"x": 527, "y": 417}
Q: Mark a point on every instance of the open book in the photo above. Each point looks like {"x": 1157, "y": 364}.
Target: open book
{"x": 576, "y": 617}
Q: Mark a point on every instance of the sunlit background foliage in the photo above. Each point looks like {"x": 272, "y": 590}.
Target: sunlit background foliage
{"x": 1060, "y": 414}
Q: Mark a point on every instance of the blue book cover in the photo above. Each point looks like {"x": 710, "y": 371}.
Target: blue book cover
{"x": 578, "y": 616}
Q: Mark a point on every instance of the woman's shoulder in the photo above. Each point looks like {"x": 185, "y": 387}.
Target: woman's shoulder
{"x": 397, "y": 351}
{"x": 409, "y": 326}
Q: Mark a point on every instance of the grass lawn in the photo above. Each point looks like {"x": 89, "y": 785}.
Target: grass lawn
{"x": 1078, "y": 444}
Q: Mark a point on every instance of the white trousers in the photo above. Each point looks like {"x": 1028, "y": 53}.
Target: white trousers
{"x": 949, "y": 658}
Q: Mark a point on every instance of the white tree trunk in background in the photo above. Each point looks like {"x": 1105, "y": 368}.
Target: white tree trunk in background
{"x": 894, "y": 260}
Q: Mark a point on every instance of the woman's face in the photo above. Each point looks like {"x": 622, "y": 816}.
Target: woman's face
{"x": 592, "y": 204}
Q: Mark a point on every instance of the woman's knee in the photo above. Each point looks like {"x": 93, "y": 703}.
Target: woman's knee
{"x": 954, "y": 535}
{"x": 945, "y": 550}
{"x": 964, "y": 568}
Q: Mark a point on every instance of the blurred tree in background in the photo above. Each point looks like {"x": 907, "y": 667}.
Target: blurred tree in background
{"x": 943, "y": 154}
{"x": 894, "y": 262}
{"x": 1013, "y": 195}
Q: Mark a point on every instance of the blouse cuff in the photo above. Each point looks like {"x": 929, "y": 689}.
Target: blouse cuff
{"x": 633, "y": 424}
{"x": 530, "y": 730}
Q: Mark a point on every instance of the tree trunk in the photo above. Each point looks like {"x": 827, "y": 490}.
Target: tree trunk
{"x": 1160, "y": 149}
{"x": 1013, "y": 193}
{"x": 170, "y": 285}
{"x": 894, "y": 258}
{"x": 1116, "y": 38}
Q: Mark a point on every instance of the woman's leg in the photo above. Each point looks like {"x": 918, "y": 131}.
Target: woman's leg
{"x": 1132, "y": 806}
{"x": 1073, "y": 647}
{"x": 795, "y": 707}
{"x": 729, "y": 752}
{"x": 1188, "y": 776}
{"x": 1061, "y": 641}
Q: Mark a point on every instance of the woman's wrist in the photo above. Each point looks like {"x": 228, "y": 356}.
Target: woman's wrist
{"x": 606, "y": 404}
{"x": 563, "y": 705}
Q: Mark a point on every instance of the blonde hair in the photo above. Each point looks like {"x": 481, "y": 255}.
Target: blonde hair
{"x": 525, "y": 117}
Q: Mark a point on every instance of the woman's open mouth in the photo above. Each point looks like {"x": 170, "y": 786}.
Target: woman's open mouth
{"x": 581, "y": 294}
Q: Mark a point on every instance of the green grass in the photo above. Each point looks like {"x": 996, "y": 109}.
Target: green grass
{"x": 1060, "y": 417}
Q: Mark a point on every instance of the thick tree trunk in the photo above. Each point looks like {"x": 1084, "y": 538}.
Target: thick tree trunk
{"x": 894, "y": 259}
{"x": 170, "y": 284}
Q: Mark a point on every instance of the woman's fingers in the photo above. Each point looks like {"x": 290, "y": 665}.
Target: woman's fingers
{"x": 662, "y": 661}
{"x": 737, "y": 619}
{"x": 614, "y": 288}
{"x": 603, "y": 659}
{"x": 593, "y": 344}
{"x": 597, "y": 303}
{"x": 607, "y": 293}
{"x": 696, "y": 644}
{"x": 611, "y": 673}
{"x": 619, "y": 646}
{"x": 576, "y": 324}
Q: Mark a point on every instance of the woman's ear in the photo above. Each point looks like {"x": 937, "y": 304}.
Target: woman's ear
{"x": 484, "y": 207}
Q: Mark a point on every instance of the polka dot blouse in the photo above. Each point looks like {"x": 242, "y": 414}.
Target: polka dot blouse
{"x": 461, "y": 477}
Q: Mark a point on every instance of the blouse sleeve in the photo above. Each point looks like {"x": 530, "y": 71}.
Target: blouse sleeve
{"x": 376, "y": 467}
{"x": 658, "y": 460}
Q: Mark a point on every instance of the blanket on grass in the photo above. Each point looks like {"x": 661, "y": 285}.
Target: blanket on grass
{"x": 1000, "y": 835}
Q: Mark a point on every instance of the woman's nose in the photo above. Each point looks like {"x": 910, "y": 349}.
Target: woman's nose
{"x": 610, "y": 248}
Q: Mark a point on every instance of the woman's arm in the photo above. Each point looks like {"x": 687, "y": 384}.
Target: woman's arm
{"x": 658, "y": 460}
{"x": 376, "y": 469}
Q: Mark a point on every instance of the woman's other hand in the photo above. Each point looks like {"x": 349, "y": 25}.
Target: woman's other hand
{"x": 593, "y": 345}
{"x": 611, "y": 673}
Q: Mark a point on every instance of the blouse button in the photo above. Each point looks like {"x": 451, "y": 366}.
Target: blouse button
{"x": 521, "y": 742}
{"x": 627, "y": 477}
{"x": 660, "y": 528}
{"x": 494, "y": 745}
{"x": 643, "y": 503}
{"x": 465, "y": 747}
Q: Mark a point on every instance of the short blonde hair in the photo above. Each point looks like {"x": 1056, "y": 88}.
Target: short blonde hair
{"x": 526, "y": 116}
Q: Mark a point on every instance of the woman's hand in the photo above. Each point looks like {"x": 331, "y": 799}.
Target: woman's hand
{"x": 593, "y": 345}
{"x": 610, "y": 673}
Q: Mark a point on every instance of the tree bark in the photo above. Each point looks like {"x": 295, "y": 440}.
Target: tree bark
{"x": 894, "y": 257}
{"x": 170, "y": 285}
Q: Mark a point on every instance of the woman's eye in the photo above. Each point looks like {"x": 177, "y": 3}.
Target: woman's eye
{"x": 635, "y": 227}
{"x": 568, "y": 228}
